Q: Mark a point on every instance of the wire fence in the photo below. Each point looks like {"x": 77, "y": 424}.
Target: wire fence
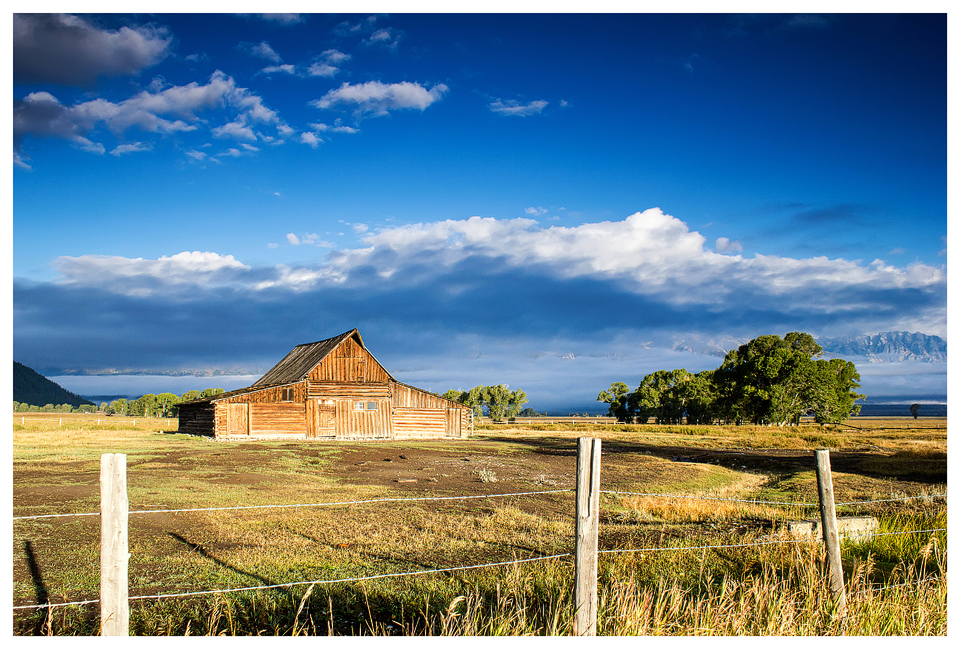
{"x": 512, "y": 562}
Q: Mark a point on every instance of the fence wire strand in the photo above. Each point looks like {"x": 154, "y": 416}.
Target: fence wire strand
{"x": 482, "y": 496}
{"x": 478, "y": 566}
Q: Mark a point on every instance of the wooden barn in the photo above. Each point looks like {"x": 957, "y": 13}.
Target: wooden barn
{"x": 331, "y": 389}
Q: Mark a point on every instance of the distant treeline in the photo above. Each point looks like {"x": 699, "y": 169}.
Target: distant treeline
{"x": 768, "y": 380}
{"x": 164, "y": 404}
{"x": 496, "y": 401}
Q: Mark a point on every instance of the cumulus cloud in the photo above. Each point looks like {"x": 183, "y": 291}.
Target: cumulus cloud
{"x": 158, "y": 110}
{"x": 377, "y": 98}
{"x": 285, "y": 69}
{"x": 599, "y": 302}
{"x": 69, "y": 50}
{"x": 261, "y": 50}
{"x": 650, "y": 255}
{"x": 386, "y": 37}
{"x": 327, "y": 64}
{"x": 141, "y": 276}
{"x": 724, "y": 245}
{"x": 132, "y": 147}
{"x": 512, "y": 107}
{"x": 310, "y": 139}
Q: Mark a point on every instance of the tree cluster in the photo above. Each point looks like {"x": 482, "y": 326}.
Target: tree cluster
{"x": 769, "y": 380}
{"x": 496, "y": 401}
{"x": 164, "y": 404}
{"x": 62, "y": 408}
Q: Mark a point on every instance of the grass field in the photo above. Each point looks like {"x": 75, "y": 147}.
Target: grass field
{"x": 894, "y": 581}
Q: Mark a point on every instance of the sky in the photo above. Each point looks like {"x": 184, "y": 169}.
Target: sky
{"x": 554, "y": 202}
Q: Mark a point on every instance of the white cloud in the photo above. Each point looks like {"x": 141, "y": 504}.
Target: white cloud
{"x": 284, "y": 19}
{"x": 535, "y": 211}
{"x": 133, "y": 147}
{"x": 337, "y": 127}
{"x": 236, "y": 130}
{"x": 261, "y": 50}
{"x": 162, "y": 110}
{"x": 515, "y": 108}
{"x": 310, "y": 139}
{"x": 648, "y": 254}
{"x": 65, "y": 49}
{"x": 185, "y": 268}
{"x": 724, "y": 245}
{"x": 327, "y": 64}
{"x": 286, "y": 68}
{"x": 385, "y": 37}
{"x": 376, "y": 98}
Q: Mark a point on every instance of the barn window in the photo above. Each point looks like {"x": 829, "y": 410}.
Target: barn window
{"x": 371, "y": 405}
{"x": 358, "y": 405}
{"x": 286, "y": 394}
{"x": 364, "y": 405}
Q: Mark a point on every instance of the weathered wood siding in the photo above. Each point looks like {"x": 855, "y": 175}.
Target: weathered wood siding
{"x": 415, "y": 423}
{"x": 278, "y": 419}
{"x": 350, "y": 363}
{"x": 352, "y": 423}
{"x": 197, "y": 419}
{"x": 420, "y": 414}
{"x": 269, "y": 395}
{"x": 317, "y": 390}
{"x": 407, "y": 396}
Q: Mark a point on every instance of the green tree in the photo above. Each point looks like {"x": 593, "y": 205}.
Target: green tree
{"x": 618, "y": 399}
{"x": 915, "y": 410}
{"x": 473, "y": 398}
{"x": 453, "y": 395}
{"x": 118, "y": 406}
{"x": 88, "y": 408}
{"x": 166, "y": 404}
{"x": 190, "y": 395}
{"x": 769, "y": 379}
{"x": 497, "y": 400}
{"x": 833, "y": 394}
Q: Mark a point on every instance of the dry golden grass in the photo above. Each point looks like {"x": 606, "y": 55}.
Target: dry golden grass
{"x": 760, "y": 590}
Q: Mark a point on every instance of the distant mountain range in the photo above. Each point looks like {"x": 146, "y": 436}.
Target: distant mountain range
{"x": 35, "y": 389}
{"x": 889, "y": 347}
{"x": 886, "y": 347}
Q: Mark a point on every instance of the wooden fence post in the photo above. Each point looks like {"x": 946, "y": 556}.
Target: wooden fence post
{"x": 828, "y": 519}
{"x": 114, "y": 555}
{"x": 588, "y": 520}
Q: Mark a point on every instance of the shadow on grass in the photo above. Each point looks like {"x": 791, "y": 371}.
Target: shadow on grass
{"x": 925, "y": 468}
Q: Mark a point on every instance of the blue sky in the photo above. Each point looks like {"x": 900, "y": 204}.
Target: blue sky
{"x": 555, "y": 202}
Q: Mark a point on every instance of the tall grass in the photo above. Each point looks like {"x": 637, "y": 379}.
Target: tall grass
{"x": 773, "y": 589}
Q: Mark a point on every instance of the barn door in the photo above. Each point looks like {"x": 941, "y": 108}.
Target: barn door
{"x": 238, "y": 419}
{"x": 321, "y": 419}
{"x": 453, "y": 422}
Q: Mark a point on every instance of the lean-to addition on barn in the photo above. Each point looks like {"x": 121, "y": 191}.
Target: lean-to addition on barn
{"x": 331, "y": 389}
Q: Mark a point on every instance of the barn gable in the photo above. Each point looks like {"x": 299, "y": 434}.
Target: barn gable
{"x": 303, "y": 359}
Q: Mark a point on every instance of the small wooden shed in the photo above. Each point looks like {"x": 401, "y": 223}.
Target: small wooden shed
{"x": 330, "y": 389}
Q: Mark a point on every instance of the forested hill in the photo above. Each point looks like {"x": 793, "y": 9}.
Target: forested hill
{"x": 37, "y": 390}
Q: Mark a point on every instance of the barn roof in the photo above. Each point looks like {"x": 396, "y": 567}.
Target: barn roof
{"x": 296, "y": 365}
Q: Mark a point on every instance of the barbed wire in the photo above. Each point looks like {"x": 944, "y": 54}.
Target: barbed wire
{"x": 298, "y": 505}
{"x": 716, "y": 498}
{"x": 475, "y": 566}
{"x": 318, "y": 582}
{"x": 482, "y": 496}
